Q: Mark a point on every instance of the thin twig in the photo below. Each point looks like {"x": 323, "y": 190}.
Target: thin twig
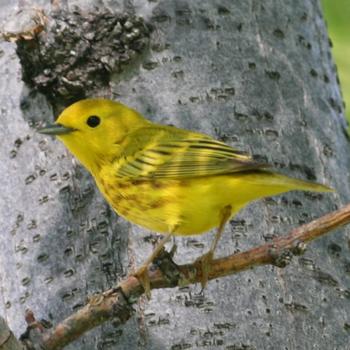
{"x": 116, "y": 303}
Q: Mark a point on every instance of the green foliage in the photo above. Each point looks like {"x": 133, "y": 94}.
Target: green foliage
{"x": 337, "y": 14}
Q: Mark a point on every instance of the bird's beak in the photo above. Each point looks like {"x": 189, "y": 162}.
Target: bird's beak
{"x": 55, "y": 129}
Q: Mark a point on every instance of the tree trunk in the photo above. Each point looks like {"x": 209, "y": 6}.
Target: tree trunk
{"x": 257, "y": 75}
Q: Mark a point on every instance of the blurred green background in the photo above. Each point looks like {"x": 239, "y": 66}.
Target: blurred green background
{"x": 337, "y": 15}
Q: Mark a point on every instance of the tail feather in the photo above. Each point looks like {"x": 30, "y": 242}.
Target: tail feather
{"x": 264, "y": 183}
{"x": 276, "y": 179}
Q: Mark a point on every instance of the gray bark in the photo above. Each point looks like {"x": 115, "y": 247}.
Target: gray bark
{"x": 258, "y": 75}
{"x": 8, "y": 341}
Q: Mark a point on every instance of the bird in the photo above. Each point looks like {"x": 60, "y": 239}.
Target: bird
{"x": 169, "y": 180}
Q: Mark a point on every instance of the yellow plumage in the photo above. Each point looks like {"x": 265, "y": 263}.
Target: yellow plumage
{"x": 164, "y": 178}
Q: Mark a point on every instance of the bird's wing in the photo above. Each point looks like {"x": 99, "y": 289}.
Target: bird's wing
{"x": 182, "y": 156}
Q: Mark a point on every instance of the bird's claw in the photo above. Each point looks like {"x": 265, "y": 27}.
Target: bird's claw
{"x": 205, "y": 262}
{"x": 142, "y": 275}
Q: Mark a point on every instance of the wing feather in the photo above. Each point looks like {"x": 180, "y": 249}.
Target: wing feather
{"x": 183, "y": 157}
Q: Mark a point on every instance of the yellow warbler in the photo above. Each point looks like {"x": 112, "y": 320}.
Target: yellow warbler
{"x": 163, "y": 178}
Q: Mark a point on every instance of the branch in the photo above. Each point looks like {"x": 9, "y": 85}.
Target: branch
{"x": 116, "y": 302}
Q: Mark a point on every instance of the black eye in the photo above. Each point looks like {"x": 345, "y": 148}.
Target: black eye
{"x": 93, "y": 121}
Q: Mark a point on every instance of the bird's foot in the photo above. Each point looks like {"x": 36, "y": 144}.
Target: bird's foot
{"x": 205, "y": 260}
{"x": 142, "y": 275}
{"x": 173, "y": 250}
{"x": 142, "y": 272}
{"x": 281, "y": 258}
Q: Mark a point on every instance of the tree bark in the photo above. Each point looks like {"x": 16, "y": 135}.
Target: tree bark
{"x": 258, "y": 76}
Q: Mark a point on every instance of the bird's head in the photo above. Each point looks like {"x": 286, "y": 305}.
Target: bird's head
{"x": 93, "y": 129}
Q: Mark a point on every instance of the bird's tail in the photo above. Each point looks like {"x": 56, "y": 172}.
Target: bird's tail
{"x": 276, "y": 179}
{"x": 264, "y": 183}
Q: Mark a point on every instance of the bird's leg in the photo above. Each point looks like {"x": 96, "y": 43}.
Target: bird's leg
{"x": 142, "y": 272}
{"x": 174, "y": 247}
{"x": 207, "y": 258}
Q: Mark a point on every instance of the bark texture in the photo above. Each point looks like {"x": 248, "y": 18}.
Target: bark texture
{"x": 258, "y": 76}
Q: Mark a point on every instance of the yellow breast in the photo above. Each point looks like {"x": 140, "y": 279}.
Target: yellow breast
{"x": 187, "y": 207}
{"x": 192, "y": 206}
